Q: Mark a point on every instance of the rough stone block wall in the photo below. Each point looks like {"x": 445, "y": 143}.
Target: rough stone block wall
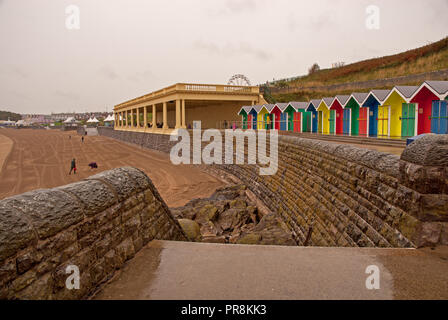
{"x": 356, "y": 197}
{"x": 96, "y": 224}
{"x": 151, "y": 141}
{"x": 350, "y": 196}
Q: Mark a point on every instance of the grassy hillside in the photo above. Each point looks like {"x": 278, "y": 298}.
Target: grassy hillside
{"x": 431, "y": 57}
{"x": 4, "y": 115}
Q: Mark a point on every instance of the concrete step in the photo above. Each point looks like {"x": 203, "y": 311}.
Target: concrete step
{"x": 185, "y": 270}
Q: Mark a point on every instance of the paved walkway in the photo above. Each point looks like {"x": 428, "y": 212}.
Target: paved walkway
{"x": 180, "y": 270}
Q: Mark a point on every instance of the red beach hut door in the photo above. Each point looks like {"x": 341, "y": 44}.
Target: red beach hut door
{"x": 297, "y": 122}
{"x": 363, "y": 121}
{"x": 249, "y": 121}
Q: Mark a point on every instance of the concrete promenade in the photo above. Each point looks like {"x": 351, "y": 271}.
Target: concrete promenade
{"x": 177, "y": 270}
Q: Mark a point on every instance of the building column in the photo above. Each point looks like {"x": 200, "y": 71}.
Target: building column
{"x": 183, "y": 125}
{"x": 165, "y": 116}
{"x": 145, "y": 117}
{"x": 154, "y": 117}
{"x": 138, "y": 117}
{"x": 178, "y": 114}
{"x": 127, "y": 122}
{"x": 132, "y": 118}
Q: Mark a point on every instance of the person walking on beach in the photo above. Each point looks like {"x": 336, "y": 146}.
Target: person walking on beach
{"x": 82, "y": 139}
{"x": 73, "y": 166}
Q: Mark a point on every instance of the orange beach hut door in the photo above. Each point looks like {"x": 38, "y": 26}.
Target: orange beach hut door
{"x": 297, "y": 122}
{"x": 364, "y": 122}
{"x": 249, "y": 122}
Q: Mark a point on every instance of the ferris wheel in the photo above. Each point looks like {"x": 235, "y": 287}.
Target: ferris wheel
{"x": 239, "y": 80}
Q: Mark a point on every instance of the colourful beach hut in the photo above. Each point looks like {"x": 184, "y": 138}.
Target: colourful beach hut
{"x": 397, "y": 117}
{"x": 358, "y": 116}
{"x": 264, "y": 117}
{"x": 299, "y": 118}
{"x": 338, "y": 106}
{"x": 312, "y": 107}
{"x": 279, "y": 117}
{"x": 373, "y": 100}
{"x": 244, "y": 113}
{"x": 252, "y": 117}
{"x": 326, "y": 118}
{"x": 432, "y": 110}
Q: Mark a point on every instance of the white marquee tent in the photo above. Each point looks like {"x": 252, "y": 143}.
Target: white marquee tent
{"x": 93, "y": 120}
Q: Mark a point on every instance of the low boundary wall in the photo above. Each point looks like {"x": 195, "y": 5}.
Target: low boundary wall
{"x": 96, "y": 224}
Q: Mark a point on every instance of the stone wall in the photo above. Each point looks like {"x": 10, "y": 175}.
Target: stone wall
{"x": 349, "y": 196}
{"x": 151, "y": 141}
{"x": 96, "y": 224}
{"x": 357, "y": 197}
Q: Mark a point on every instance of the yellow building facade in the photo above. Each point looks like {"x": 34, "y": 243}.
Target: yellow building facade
{"x": 179, "y": 105}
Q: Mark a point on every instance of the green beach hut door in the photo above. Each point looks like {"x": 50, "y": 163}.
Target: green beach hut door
{"x": 408, "y": 115}
{"x": 332, "y": 121}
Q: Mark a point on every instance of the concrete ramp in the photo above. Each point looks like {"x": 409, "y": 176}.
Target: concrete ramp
{"x": 179, "y": 270}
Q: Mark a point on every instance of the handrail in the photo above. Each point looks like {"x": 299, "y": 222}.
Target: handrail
{"x": 195, "y": 88}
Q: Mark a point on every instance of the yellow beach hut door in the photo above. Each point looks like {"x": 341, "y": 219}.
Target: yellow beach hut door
{"x": 384, "y": 121}
{"x": 321, "y": 122}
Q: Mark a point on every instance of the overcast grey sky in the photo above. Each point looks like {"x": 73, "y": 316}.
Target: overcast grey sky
{"x": 126, "y": 48}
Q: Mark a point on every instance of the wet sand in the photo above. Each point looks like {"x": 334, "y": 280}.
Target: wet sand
{"x": 41, "y": 159}
{"x": 180, "y": 270}
{"x": 5, "y": 148}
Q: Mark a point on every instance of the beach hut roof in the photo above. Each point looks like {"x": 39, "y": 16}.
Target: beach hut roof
{"x": 281, "y": 106}
{"x": 298, "y": 105}
{"x": 359, "y": 97}
{"x": 256, "y": 108}
{"x": 268, "y": 107}
{"x": 315, "y": 103}
{"x": 379, "y": 95}
{"x": 406, "y": 92}
{"x": 343, "y": 99}
{"x": 328, "y": 101}
{"x": 439, "y": 88}
{"x": 245, "y": 108}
